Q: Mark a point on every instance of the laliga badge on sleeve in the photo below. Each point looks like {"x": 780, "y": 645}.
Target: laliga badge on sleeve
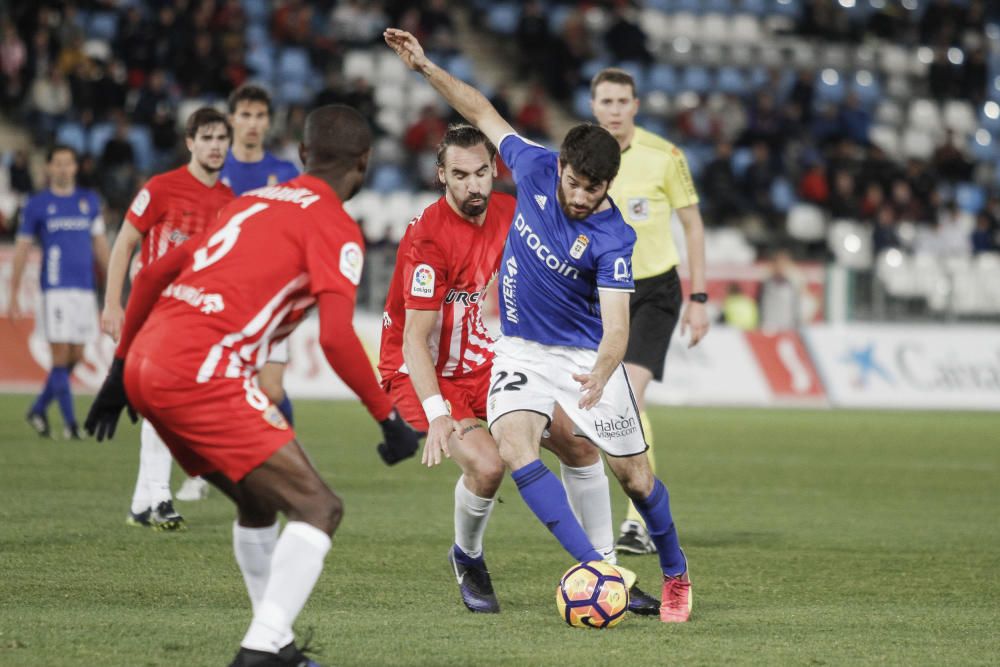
{"x": 579, "y": 246}
{"x": 423, "y": 281}
{"x": 351, "y": 262}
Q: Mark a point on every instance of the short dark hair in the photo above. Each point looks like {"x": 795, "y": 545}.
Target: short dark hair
{"x": 335, "y": 136}
{"x": 249, "y": 92}
{"x": 463, "y": 136}
{"x": 592, "y": 152}
{"x": 612, "y": 75}
{"x": 206, "y": 116}
{"x": 59, "y": 148}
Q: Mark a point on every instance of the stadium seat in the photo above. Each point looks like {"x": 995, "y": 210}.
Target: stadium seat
{"x": 830, "y": 87}
{"x": 745, "y": 29}
{"x": 889, "y": 113}
{"x": 851, "y": 244}
{"x": 895, "y": 60}
{"x": 714, "y": 29}
{"x": 916, "y": 143}
{"x": 970, "y": 197}
{"x": 983, "y": 146}
{"x": 359, "y": 64}
{"x": 662, "y": 77}
{"x": 866, "y": 86}
{"x": 391, "y": 97}
{"x": 806, "y": 222}
{"x": 782, "y": 194}
{"x": 257, "y": 11}
{"x": 558, "y": 16}
{"x": 728, "y": 245}
{"x": 786, "y": 8}
{"x": 388, "y": 178}
{"x": 731, "y": 80}
{"x": 655, "y": 25}
{"x": 258, "y": 34}
{"x": 294, "y": 65}
{"x": 693, "y": 6}
{"x": 141, "y": 139}
{"x": 656, "y": 104}
{"x": 755, "y": 7}
{"x": 260, "y": 59}
{"x": 685, "y": 24}
{"x": 894, "y": 270}
{"x": 503, "y": 18}
{"x": 72, "y": 134}
{"x": 581, "y": 103}
{"x": 293, "y": 91}
{"x": 959, "y": 117}
{"x": 389, "y": 69}
{"x": 461, "y": 68}
{"x": 886, "y": 138}
{"x": 696, "y": 78}
{"x": 925, "y": 115}
{"x": 391, "y": 120}
{"x": 97, "y": 49}
{"x": 99, "y": 135}
{"x": 400, "y": 210}
{"x": 742, "y": 158}
{"x": 421, "y": 94}
{"x": 718, "y": 6}
{"x": 987, "y": 268}
{"x": 103, "y": 25}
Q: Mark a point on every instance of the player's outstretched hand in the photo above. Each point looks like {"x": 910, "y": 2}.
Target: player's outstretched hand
{"x": 695, "y": 318}
{"x": 436, "y": 443}
{"x": 102, "y": 420}
{"x": 406, "y": 47}
{"x": 592, "y": 387}
{"x": 111, "y": 320}
{"x": 401, "y": 441}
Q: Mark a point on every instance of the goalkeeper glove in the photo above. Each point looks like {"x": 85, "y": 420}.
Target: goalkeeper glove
{"x": 102, "y": 420}
{"x": 401, "y": 441}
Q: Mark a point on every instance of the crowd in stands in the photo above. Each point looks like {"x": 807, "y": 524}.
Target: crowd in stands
{"x": 115, "y": 79}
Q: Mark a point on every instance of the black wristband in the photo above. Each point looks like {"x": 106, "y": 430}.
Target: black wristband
{"x": 699, "y": 297}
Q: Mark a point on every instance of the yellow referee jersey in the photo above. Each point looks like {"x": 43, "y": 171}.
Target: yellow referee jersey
{"x": 653, "y": 180}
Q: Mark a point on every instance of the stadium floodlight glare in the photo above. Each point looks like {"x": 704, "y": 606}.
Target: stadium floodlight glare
{"x": 877, "y": 4}
{"x": 992, "y": 32}
{"x": 864, "y": 78}
{"x": 852, "y": 243}
{"x": 983, "y": 137}
{"x": 992, "y": 110}
{"x": 682, "y": 45}
{"x": 894, "y": 258}
{"x": 910, "y": 5}
{"x": 955, "y": 56}
{"x": 925, "y": 55}
{"x": 996, "y": 82}
{"x": 847, "y": 3}
{"x": 830, "y": 76}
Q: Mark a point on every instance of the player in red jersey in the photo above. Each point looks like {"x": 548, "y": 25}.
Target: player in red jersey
{"x": 436, "y": 354}
{"x": 169, "y": 209}
{"x": 234, "y": 292}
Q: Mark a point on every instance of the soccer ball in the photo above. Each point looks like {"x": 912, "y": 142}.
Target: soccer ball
{"x": 592, "y": 595}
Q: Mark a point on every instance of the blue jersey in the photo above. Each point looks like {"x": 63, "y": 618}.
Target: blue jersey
{"x": 245, "y": 176}
{"x": 553, "y": 266}
{"x": 64, "y": 227}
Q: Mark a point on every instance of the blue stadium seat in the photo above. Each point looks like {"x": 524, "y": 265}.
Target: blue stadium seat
{"x": 731, "y": 80}
{"x": 581, "y": 103}
{"x": 758, "y": 77}
{"x": 141, "y": 139}
{"x": 103, "y": 25}
{"x": 662, "y": 77}
{"x": 294, "y": 65}
{"x": 460, "y": 67}
{"x": 258, "y": 11}
{"x": 503, "y": 18}
{"x": 260, "y": 59}
{"x": 293, "y": 91}
{"x": 755, "y": 7}
{"x": 696, "y": 78}
{"x": 638, "y": 73}
{"x": 829, "y": 92}
{"x": 970, "y": 197}
{"x": 73, "y": 135}
{"x": 100, "y": 133}
{"x": 258, "y": 35}
{"x": 789, "y": 8}
{"x": 741, "y": 160}
{"x": 983, "y": 153}
{"x": 782, "y": 194}
{"x": 388, "y": 178}
{"x": 693, "y": 6}
{"x": 718, "y": 6}
{"x": 592, "y": 67}
{"x": 558, "y": 16}
{"x": 870, "y": 92}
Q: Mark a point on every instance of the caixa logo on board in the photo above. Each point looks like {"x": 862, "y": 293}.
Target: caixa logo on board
{"x": 914, "y": 365}
{"x": 616, "y": 426}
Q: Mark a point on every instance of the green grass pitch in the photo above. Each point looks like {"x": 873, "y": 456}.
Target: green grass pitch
{"x": 815, "y": 538}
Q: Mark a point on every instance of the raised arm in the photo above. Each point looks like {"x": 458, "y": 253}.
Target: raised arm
{"x": 121, "y": 252}
{"x": 611, "y": 350}
{"x": 465, "y": 99}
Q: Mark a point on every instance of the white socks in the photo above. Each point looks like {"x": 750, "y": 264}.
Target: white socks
{"x": 296, "y": 564}
{"x": 152, "y": 486}
{"x": 253, "y": 548}
{"x": 590, "y": 497}
{"x": 471, "y": 515}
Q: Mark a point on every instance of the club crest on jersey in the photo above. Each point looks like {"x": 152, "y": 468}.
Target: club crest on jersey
{"x": 541, "y": 200}
{"x": 579, "y": 246}
{"x": 84, "y": 207}
{"x": 351, "y": 262}
{"x": 51, "y": 210}
{"x": 272, "y": 179}
{"x": 273, "y": 417}
{"x": 638, "y": 208}
{"x": 423, "y": 281}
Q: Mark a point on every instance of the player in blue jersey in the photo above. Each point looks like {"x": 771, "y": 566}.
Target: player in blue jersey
{"x": 248, "y": 167}
{"x": 66, "y": 221}
{"x": 565, "y": 281}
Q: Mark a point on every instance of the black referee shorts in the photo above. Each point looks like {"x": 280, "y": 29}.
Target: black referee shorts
{"x": 654, "y": 310}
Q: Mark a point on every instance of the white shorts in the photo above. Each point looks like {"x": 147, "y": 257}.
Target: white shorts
{"x": 69, "y": 315}
{"x": 535, "y": 377}
{"x": 279, "y": 353}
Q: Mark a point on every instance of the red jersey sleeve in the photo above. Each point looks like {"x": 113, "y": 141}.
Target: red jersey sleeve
{"x": 425, "y": 274}
{"x": 334, "y": 256}
{"x": 145, "y": 210}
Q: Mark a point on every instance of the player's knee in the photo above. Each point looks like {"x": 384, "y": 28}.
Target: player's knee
{"x": 485, "y": 476}
{"x": 638, "y": 485}
{"x": 333, "y": 510}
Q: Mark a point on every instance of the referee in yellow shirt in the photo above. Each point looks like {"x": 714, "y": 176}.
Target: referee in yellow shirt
{"x": 653, "y": 180}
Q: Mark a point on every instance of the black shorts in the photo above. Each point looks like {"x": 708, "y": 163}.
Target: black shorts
{"x": 654, "y": 309}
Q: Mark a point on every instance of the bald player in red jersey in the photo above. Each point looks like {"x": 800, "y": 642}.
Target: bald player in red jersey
{"x": 168, "y": 210}
{"x": 234, "y": 292}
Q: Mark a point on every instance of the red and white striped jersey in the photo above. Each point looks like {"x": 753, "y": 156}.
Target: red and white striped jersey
{"x": 253, "y": 276}
{"x": 445, "y": 263}
{"x": 173, "y": 207}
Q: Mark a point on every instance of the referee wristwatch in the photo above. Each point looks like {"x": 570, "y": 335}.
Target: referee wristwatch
{"x": 699, "y": 297}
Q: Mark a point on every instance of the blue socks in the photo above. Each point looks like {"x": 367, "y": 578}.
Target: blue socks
{"x": 655, "y": 511}
{"x": 465, "y": 559}
{"x": 546, "y": 497}
{"x": 286, "y": 410}
{"x": 56, "y": 387}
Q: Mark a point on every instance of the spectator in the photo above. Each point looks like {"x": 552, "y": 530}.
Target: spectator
{"x": 333, "y": 90}
{"x": 358, "y": 24}
{"x": 625, "y": 39}
{"x": 722, "y": 200}
{"x": 151, "y": 97}
{"x": 813, "y": 186}
{"x": 803, "y": 92}
{"x": 780, "y": 295}
{"x": 984, "y": 236}
{"x": 50, "y": 101}
{"x": 531, "y": 121}
{"x": 116, "y": 167}
{"x": 20, "y": 173}
{"x": 872, "y": 200}
{"x": 953, "y": 235}
{"x": 855, "y": 122}
{"x": 532, "y": 38}
{"x": 949, "y": 162}
{"x": 758, "y": 179}
{"x": 13, "y": 62}
{"x": 885, "y": 234}
{"x": 907, "y": 206}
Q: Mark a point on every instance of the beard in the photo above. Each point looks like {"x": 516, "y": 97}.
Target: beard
{"x": 569, "y": 212}
{"x": 474, "y": 209}
{"x": 210, "y": 168}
